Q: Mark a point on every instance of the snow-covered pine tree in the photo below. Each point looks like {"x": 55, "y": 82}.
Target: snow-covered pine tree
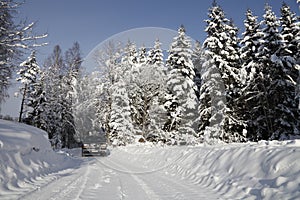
{"x": 218, "y": 118}
{"x": 250, "y": 43}
{"x": 251, "y": 72}
{"x": 267, "y": 90}
{"x": 155, "y": 55}
{"x": 121, "y": 125}
{"x": 271, "y": 75}
{"x": 284, "y": 78}
{"x": 235, "y": 126}
{"x": 157, "y": 111}
{"x": 28, "y": 74}
{"x": 36, "y": 103}
{"x": 181, "y": 100}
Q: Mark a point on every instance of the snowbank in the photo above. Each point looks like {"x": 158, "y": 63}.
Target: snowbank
{"x": 264, "y": 170}
{"x": 25, "y": 157}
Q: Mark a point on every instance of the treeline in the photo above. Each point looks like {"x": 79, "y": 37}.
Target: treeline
{"x": 229, "y": 89}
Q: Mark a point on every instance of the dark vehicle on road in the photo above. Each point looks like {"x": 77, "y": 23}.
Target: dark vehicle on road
{"x": 94, "y": 146}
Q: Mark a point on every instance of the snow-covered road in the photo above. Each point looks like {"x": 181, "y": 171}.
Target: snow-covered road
{"x": 119, "y": 176}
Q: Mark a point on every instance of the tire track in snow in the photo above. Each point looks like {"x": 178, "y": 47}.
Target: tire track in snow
{"x": 121, "y": 169}
{"x": 54, "y": 189}
{"x": 83, "y": 185}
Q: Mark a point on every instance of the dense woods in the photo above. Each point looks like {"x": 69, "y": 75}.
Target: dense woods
{"x": 234, "y": 87}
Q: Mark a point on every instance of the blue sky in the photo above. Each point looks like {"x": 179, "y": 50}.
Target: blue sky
{"x": 90, "y": 22}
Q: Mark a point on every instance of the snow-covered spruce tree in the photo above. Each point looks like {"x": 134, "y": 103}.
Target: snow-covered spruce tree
{"x": 251, "y": 73}
{"x": 28, "y": 74}
{"x": 284, "y": 78}
{"x": 268, "y": 96}
{"x": 157, "y": 111}
{"x": 121, "y": 120}
{"x": 250, "y": 43}
{"x": 271, "y": 74}
{"x": 218, "y": 116}
{"x": 121, "y": 123}
{"x": 181, "y": 100}
{"x": 36, "y": 103}
{"x": 15, "y": 39}
{"x": 155, "y": 55}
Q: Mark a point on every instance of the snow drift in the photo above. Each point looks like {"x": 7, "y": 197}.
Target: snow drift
{"x": 26, "y": 157}
{"x": 264, "y": 170}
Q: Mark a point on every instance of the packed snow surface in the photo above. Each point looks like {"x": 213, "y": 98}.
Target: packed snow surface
{"x": 30, "y": 169}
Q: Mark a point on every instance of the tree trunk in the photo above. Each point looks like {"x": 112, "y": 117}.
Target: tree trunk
{"x": 22, "y": 103}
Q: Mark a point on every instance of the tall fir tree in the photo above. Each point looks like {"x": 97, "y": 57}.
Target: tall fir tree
{"x": 181, "y": 100}
{"x": 251, "y": 73}
{"x": 28, "y": 75}
{"x": 284, "y": 78}
{"x": 122, "y": 130}
{"x": 270, "y": 75}
{"x": 218, "y": 116}
{"x": 36, "y": 103}
{"x": 157, "y": 111}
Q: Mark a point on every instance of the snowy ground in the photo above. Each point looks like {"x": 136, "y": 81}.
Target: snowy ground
{"x": 265, "y": 170}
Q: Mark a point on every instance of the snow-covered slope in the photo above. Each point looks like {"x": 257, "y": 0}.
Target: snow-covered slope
{"x": 25, "y": 157}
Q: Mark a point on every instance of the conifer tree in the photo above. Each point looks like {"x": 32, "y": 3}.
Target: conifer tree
{"x": 181, "y": 100}
{"x": 284, "y": 78}
{"x": 155, "y": 55}
{"x": 28, "y": 75}
{"x": 218, "y": 116}
{"x": 157, "y": 111}
{"x": 122, "y": 130}
{"x": 251, "y": 72}
{"x": 269, "y": 73}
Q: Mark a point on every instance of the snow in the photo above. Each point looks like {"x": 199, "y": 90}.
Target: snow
{"x": 29, "y": 169}
{"x": 26, "y": 158}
